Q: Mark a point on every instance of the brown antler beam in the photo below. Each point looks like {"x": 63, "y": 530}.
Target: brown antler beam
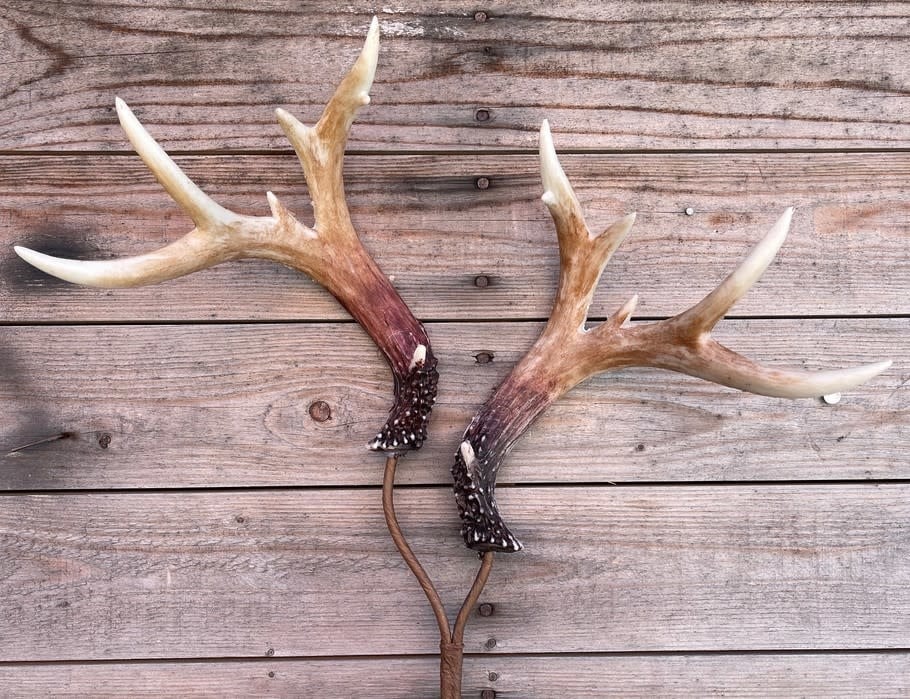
{"x": 567, "y": 352}
{"x": 329, "y": 251}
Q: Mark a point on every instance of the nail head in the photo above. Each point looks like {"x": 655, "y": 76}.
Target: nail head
{"x": 488, "y": 694}
{"x": 690, "y": 211}
{"x": 481, "y": 281}
{"x": 483, "y": 358}
{"x": 482, "y": 115}
{"x": 104, "y": 441}
{"x": 832, "y": 398}
{"x": 481, "y": 16}
{"x": 491, "y": 643}
{"x": 482, "y": 183}
{"x": 486, "y": 609}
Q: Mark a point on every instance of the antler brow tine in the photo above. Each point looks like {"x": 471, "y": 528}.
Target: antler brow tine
{"x": 221, "y": 234}
{"x": 567, "y": 353}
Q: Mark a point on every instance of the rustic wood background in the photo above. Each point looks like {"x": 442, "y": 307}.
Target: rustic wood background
{"x": 173, "y": 521}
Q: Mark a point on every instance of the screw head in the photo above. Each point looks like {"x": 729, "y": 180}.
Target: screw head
{"x": 484, "y": 358}
{"x": 320, "y": 411}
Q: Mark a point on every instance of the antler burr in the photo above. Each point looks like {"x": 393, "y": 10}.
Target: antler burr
{"x": 566, "y": 352}
{"x": 329, "y": 251}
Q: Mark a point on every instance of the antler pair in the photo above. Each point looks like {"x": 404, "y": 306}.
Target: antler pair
{"x": 567, "y": 352}
{"x": 329, "y": 251}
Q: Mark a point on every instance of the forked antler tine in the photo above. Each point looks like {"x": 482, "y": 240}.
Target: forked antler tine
{"x": 583, "y": 255}
{"x": 206, "y": 245}
{"x": 321, "y": 148}
{"x": 706, "y": 358}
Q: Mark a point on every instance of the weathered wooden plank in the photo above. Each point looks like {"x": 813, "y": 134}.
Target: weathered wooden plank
{"x": 436, "y": 233}
{"x": 611, "y": 74}
{"x": 857, "y": 675}
{"x": 213, "y": 405}
{"x": 312, "y": 573}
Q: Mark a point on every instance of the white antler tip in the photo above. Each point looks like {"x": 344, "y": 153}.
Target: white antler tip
{"x": 555, "y": 183}
{"x": 829, "y": 382}
{"x": 73, "y": 271}
{"x": 365, "y": 68}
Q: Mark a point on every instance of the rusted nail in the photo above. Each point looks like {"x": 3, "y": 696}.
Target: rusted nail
{"x": 488, "y": 694}
{"x": 320, "y": 411}
{"x": 482, "y": 183}
{"x": 481, "y": 281}
{"x": 486, "y": 609}
{"x": 104, "y": 441}
{"x": 270, "y": 652}
{"x": 493, "y": 676}
{"x": 482, "y": 114}
{"x": 490, "y": 644}
{"x": 481, "y": 16}
{"x": 483, "y": 358}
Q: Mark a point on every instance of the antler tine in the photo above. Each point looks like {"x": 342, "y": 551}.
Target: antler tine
{"x": 330, "y": 253}
{"x": 704, "y": 315}
{"x": 566, "y": 353}
{"x": 204, "y": 210}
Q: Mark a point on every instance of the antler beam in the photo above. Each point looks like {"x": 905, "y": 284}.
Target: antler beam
{"x": 566, "y": 352}
{"x": 329, "y": 251}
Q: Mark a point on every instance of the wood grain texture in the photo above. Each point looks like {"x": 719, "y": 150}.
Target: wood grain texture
{"x": 611, "y": 74}
{"x": 435, "y": 233}
{"x": 245, "y": 552}
{"x": 312, "y": 573}
{"x": 216, "y": 405}
{"x": 848, "y": 675}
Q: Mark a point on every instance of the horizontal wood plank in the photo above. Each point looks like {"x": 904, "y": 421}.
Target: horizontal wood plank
{"x": 228, "y": 405}
{"x": 610, "y": 74}
{"x": 847, "y": 675}
{"x": 461, "y": 253}
{"x": 313, "y": 573}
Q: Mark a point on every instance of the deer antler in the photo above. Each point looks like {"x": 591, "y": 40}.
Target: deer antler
{"x": 566, "y": 353}
{"x": 329, "y": 251}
